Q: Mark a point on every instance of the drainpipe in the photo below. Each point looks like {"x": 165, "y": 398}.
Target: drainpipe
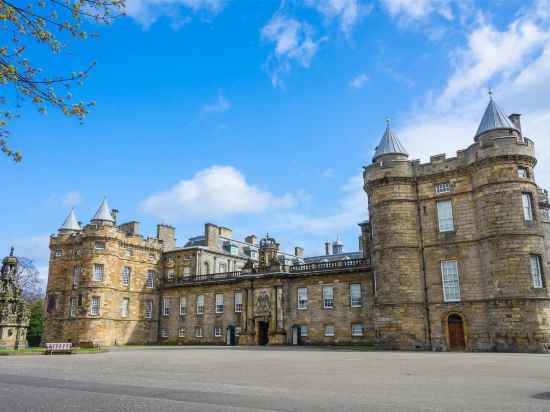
{"x": 423, "y": 262}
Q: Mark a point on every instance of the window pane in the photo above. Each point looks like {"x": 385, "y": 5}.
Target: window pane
{"x": 451, "y": 286}
{"x": 329, "y": 330}
{"x": 238, "y": 302}
{"x": 536, "y": 272}
{"x": 304, "y": 330}
{"x": 328, "y": 297}
{"x": 445, "y": 216}
{"x": 355, "y": 293}
{"x": 183, "y": 306}
{"x": 148, "y": 309}
{"x": 219, "y": 303}
{"x": 302, "y": 298}
{"x": 527, "y": 201}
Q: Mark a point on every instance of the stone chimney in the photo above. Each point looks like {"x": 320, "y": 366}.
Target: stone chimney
{"x": 114, "y": 214}
{"x": 299, "y": 251}
{"x": 251, "y": 239}
{"x": 167, "y": 234}
{"x": 328, "y": 249}
{"x": 515, "y": 118}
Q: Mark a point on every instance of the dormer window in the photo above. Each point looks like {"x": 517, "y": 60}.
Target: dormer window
{"x": 441, "y": 188}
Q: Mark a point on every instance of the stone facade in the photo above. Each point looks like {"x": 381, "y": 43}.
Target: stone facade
{"x": 454, "y": 256}
{"x": 14, "y": 311}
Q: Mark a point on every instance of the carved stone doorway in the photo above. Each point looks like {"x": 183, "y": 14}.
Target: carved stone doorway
{"x": 457, "y": 340}
{"x": 263, "y": 333}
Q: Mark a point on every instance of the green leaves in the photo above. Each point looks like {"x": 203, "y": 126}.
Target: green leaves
{"x": 51, "y": 23}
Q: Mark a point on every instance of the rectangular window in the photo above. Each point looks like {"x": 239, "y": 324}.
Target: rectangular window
{"x": 329, "y": 330}
{"x": 170, "y": 275}
{"x": 128, "y": 251}
{"x": 152, "y": 257}
{"x": 527, "y": 201}
{"x": 166, "y": 303}
{"x": 58, "y": 252}
{"x": 125, "y": 307}
{"x": 451, "y": 284}
{"x": 100, "y": 245}
{"x": 357, "y": 329}
{"x": 238, "y": 302}
{"x": 217, "y": 332}
{"x": 181, "y": 332}
{"x": 445, "y": 216}
{"x": 328, "y": 297}
{"x": 302, "y": 298}
{"x": 150, "y": 282}
{"x": 148, "y": 309}
{"x": 183, "y": 306}
{"x": 96, "y": 306}
{"x": 186, "y": 271}
{"x": 355, "y": 295}
{"x": 219, "y": 303}
{"x": 200, "y": 304}
{"x": 126, "y": 276}
{"x": 523, "y": 172}
{"x": 98, "y": 272}
{"x": 238, "y": 331}
{"x": 442, "y": 188}
{"x": 198, "y": 332}
{"x": 303, "y": 331}
{"x": 76, "y": 276}
{"x": 163, "y": 332}
{"x": 72, "y": 310}
{"x": 536, "y": 271}
{"x": 222, "y": 267}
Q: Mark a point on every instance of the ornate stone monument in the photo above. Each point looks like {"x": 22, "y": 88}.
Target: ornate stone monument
{"x": 14, "y": 312}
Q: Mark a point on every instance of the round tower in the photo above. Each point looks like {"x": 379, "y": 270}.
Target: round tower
{"x": 395, "y": 252}
{"x": 510, "y": 212}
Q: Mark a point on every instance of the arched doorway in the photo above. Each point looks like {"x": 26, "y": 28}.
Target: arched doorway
{"x": 230, "y": 336}
{"x": 457, "y": 340}
{"x": 296, "y": 335}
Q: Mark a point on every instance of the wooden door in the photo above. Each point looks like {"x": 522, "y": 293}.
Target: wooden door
{"x": 457, "y": 341}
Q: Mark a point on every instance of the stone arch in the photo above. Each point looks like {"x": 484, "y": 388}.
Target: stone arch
{"x": 454, "y": 325}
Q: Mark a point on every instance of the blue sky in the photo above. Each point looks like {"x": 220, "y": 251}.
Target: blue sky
{"x": 260, "y": 115}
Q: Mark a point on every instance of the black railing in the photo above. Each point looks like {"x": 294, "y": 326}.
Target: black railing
{"x": 330, "y": 266}
{"x": 305, "y": 268}
{"x": 210, "y": 277}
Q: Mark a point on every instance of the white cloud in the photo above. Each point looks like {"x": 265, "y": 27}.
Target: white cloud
{"x": 219, "y": 106}
{"x": 71, "y": 199}
{"x": 347, "y": 12}
{"x": 418, "y": 9}
{"x": 211, "y": 193}
{"x": 352, "y": 208}
{"x": 359, "y": 81}
{"x": 147, "y": 12}
{"x": 294, "y": 43}
{"x": 516, "y": 61}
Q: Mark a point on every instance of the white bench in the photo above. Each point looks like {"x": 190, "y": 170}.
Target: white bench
{"x": 59, "y": 348}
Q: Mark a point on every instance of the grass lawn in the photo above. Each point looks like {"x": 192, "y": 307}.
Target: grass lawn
{"x": 39, "y": 351}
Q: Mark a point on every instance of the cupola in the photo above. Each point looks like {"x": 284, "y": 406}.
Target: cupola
{"x": 103, "y": 214}
{"x": 494, "y": 119}
{"x": 389, "y": 145}
{"x": 70, "y": 224}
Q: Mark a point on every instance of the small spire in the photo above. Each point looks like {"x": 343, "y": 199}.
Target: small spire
{"x": 11, "y": 251}
{"x": 389, "y": 144}
{"x": 494, "y": 118}
{"x": 103, "y": 213}
{"x": 71, "y": 223}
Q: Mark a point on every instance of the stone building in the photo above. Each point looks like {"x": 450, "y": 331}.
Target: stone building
{"x": 14, "y": 312}
{"x": 453, "y": 257}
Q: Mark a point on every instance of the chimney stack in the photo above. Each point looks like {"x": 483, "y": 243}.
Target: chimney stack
{"x": 328, "y": 249}
{"x": 515, "y": 118}
{"x": 251, "y": 240}
{"x": 114, "y": 214}
{"x": 299, "y": 251}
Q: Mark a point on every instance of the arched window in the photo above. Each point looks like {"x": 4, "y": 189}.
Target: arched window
{"x": 51, "y": 303}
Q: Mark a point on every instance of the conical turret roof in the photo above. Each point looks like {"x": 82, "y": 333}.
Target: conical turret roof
{"x": 70, "y": 223}
{"x": 389, "y": 144}
{"x": 494, "y": 119}
{"x": 103, "y": 213}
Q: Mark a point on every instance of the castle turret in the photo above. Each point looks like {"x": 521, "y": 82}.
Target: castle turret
{"x": 495, "y": 123}
{"x": 103, "y": 214}
{"x": 395, "y": 246}
{"x": 70, "y": 225}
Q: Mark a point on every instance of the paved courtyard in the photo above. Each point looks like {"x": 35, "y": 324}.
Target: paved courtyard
{"x": 274, "y": 379}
